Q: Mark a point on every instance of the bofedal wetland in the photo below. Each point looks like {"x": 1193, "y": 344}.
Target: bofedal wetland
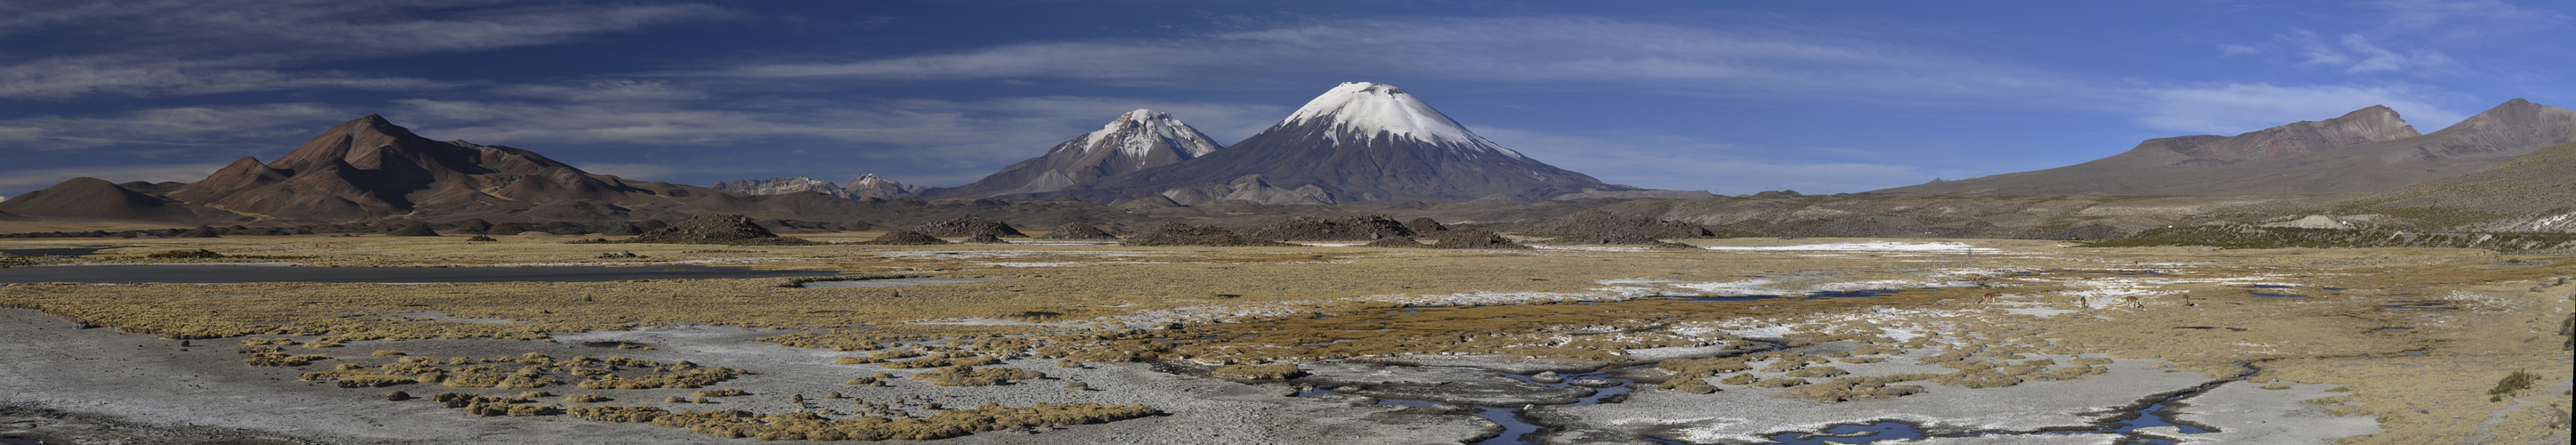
{"x": 1737, "y": 340}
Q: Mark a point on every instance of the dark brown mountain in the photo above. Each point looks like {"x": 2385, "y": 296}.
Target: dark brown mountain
{"x": 2366, "y": 150}
{"x": 370, "y": 168}
{"x": 1134, "y": 141}
{"x": 1359, "y": 142}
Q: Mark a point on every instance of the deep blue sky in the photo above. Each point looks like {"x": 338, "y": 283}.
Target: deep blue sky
{"x": 1733, "y": 97}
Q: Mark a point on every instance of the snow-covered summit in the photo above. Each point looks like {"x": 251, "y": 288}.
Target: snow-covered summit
{"x": 1367, "y": 108}
{"x": 1149, "y": 130}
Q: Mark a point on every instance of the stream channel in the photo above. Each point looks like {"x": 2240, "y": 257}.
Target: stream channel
{"x": 1613, "y": 382}
{"x": 1518, "y": 428}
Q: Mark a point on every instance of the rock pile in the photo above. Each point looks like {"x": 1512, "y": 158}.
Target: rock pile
{"x": 967, "y": 226}
{"x": 1077, "y": 231}
{"x": 1177, "y": 234}
{"x": 1475, "y": 239}
{"x": 716, "y": 229}
{"x": 1348, "y": 228}
{"x": 907, "y": 238}
{"x": 1425, "y": 226}
{"x": 1599, "y": 223}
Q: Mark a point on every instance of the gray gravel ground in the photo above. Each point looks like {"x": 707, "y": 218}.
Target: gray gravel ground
{"x": 135, "y": 382}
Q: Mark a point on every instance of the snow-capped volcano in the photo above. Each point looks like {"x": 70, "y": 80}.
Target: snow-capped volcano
{"x": 1359, "y": 142}
{"x": 1368, "y": 108}
{"x": 1134, "y": 141}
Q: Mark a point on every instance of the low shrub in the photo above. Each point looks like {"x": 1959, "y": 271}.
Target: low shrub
{"x": 971, "y": 376}
{"x": 1279, "y": 371}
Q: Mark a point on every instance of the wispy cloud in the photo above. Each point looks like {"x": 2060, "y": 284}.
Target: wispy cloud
{"x": 2357, "y": 55}
{"x": 163, "y": 48}
{"x": 2466, "y": 18}
{"x": 1753, "y": 59}
{"x": 2236, "y": 108}
{"x": 179, "y": 126}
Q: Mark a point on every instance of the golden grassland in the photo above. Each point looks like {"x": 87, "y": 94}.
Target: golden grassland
{"x": 1283, "y": 304}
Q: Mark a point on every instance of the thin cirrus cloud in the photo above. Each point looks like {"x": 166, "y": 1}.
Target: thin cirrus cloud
{"x": 1528, "y": 49}
{"x": 150, "y": 49}
{"x": 218, "y": 125}
{"x": 2236, "y": 108}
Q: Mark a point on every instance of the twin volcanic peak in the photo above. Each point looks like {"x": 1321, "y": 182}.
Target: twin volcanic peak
{"x": 1359, "y": 142}
{"x": 1134, "y": 141}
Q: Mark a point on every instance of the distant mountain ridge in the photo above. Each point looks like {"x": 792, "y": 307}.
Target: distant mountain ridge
{"x": 779, "y": 186}
{"x": 2366, "y": 150}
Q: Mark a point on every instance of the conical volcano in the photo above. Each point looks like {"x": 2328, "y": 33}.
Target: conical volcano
{"x": 1134, "y": 141}
{"x": 1359, "y": 142}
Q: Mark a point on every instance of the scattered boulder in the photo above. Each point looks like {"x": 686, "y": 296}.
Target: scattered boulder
{"x": 968, "y": 226}
{"x": 414, "y": 230}
{"x": 480, "y": 238}
{"x": 1348, "y": 228}
{"x": 716, "y": 229}
{"x": 1177, "y": 234}
{"x": 1475, "y": 239}
{"x": 985, "y": 238}
{"x": 907, "y": 238}
{"x": 1077, "y": 231}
